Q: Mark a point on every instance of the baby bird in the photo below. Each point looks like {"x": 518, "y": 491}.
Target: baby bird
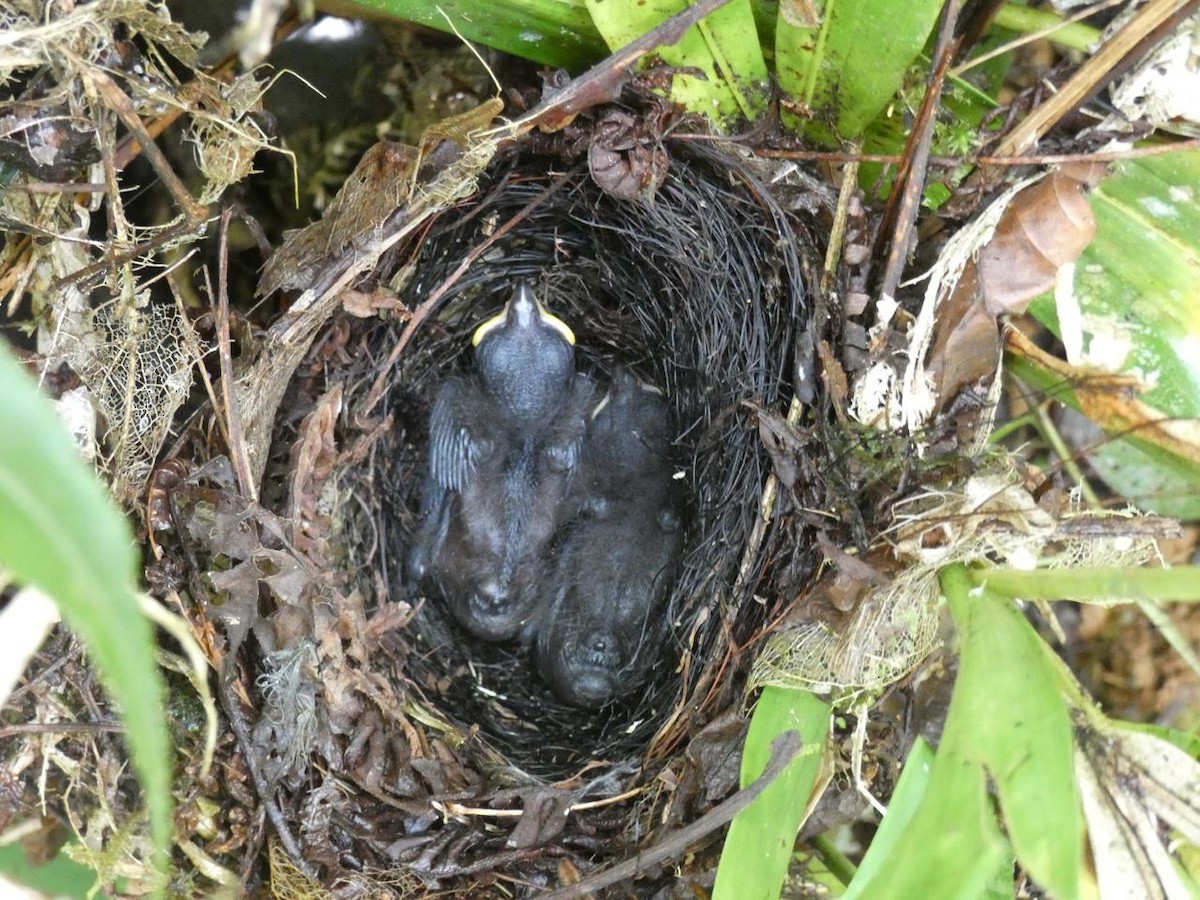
{"x": 597, "y": 629}
{"x": 503, "y": 447}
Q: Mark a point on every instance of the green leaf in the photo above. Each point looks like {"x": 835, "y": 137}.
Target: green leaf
{"x": 1177, "y": 584}
{"x": 60, "y": 532}
{"x": 951, "y": 846}
{"x": 724, "y": 46}
{"x": 758, "y": 848}
{"x": 1171, "y": 475}
{"x": 910, "y": 791}
{"x": 846, "y": 68}
{"x": 1008, "y": 721}
{"x": 60, "y": 876}
{"x": 1053, "y": 27}
{"x": 966, "y": 99}
{"x": 1016, "y": 724}
{"x": 1138, "y": 292}
{"x": 551, "y": 32}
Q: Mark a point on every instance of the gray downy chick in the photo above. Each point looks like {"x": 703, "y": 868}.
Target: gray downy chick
{"x": 598, "y": 625}
{"x": 503, "y": 447}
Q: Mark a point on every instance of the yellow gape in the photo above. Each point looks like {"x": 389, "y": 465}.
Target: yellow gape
{"x": 543, "y": 315}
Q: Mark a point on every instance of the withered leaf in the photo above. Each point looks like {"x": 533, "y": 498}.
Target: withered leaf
{"x": 379, "y": 184}
{"x": 716, "y": 754}
{"x": 385, "y": 179}
{"x": 783, "y": 444}
{"x": 1109, "y": 401}
{"x": 1046, "y": 226}
{"x": 624, "y": 159}
{"x": 284, "y": 574}
{"x": 543, "y": 820}
{"x": 238, "y": 609}
{"x": 313, "y": 457}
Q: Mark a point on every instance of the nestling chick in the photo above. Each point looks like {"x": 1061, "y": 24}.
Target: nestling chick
{"x": 597, "y": 623}
{"x": 503, "y": 447}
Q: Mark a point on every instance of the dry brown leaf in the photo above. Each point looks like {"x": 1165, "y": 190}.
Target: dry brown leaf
{"x": 379, "y": 185}
{"x": 313, "y": 457}
{"x": 1046, "y": 226}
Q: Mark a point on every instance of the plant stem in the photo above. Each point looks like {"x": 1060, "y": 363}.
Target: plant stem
{"x": 1181, "y": 583}
{"x": 1072, "y": 35}
{"x": 835, "y": 861}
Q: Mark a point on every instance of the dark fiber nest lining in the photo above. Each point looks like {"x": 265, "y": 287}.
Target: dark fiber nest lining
{"x": 699, "y": 292}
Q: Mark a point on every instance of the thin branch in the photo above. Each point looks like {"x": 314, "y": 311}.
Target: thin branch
{"x": 783, "y": 750}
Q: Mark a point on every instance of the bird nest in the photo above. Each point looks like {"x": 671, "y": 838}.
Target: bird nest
{"x": 386, "y": 739}
{"x": 694, "y": 292}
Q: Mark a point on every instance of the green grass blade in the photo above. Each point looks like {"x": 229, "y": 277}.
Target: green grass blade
{"x": 724, "y": 46}
{"x": 551, "y": 32}
{"x": 952, "y": 845}
{"x": 60, "y": 532}
{"x": 758, "y": 848}
{"x": 1026, "y": 20}
{"x": 847, "y": 68}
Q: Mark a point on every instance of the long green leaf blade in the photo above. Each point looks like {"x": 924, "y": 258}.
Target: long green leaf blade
{"x": 724, "y": 47}
{"x": 846, "y": 68}
{"x": 952, "y": 845}
{"x": 1017, "y": 725}
{"x": 758, "y": 848}
{"x": 1008, "y": 720}
{"x": 551, "y": 32}
{"x": 1137, "y": 296}
{"x": 906, "y": 800}
{"x": 60, "y": 532}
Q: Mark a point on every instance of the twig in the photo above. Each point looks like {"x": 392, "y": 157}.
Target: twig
{"x": 952, "y": 162}
{"x": 604, "y": 81}
{"x": 783, "y": 750}
{"x": 1009, "y": 46}
{"x": 62, "y": 728}
{"x": 233, "y": 709}
{"x": 57, "y": 187}
{"x": 1096, "y": 72}
{"x": 450, "y": 808}
{"x": 233, "y": 417}
{"x": 905, "y": 200}
{"x": 116, "y": 100}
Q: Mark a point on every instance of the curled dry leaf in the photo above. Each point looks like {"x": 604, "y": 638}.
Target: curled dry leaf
{"x": 624, "y": 159}
{"x": 1046, "y": 226}
{"x": 543, "y": 819}
{"x": 313, "y": 458}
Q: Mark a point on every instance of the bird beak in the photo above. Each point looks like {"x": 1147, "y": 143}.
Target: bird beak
{"x": 521, "y": 311}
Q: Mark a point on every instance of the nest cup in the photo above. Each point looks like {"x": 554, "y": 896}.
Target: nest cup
{"x": 698, "y": 291}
